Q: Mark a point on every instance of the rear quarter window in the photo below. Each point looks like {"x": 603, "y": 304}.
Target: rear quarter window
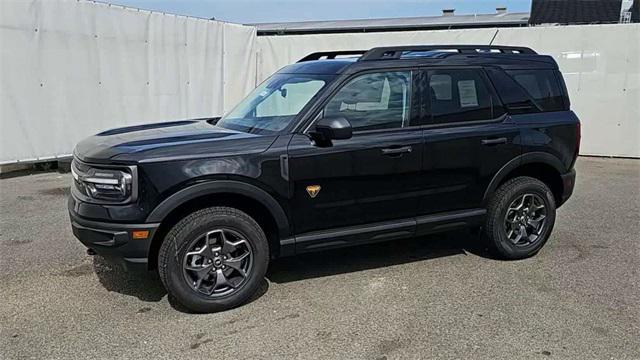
{"x": 526, "y": 91}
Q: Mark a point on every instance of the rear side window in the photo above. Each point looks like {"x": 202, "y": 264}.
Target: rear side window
{"x": 526, "y": 91}
{"x": 542, "y": 86}
{"x": 461, "y": 95}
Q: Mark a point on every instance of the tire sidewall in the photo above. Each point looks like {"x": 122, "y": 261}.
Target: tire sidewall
{"x": 178, "y": 246}
{"x": 502, "y": 243}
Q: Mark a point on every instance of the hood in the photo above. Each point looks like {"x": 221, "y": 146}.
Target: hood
{"x": 168, "y": 141}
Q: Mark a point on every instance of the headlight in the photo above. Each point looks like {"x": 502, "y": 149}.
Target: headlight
{"x": 105, "y": 184}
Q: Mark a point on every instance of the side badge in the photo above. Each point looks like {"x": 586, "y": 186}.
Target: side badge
{"x": 313, "y": 190}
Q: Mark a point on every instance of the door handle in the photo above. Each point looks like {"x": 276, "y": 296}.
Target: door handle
{"x": 497, "y": 141}
{"x": 397, "y": 150}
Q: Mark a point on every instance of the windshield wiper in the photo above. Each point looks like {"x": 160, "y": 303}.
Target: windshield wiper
{"x": 214, "y": 120}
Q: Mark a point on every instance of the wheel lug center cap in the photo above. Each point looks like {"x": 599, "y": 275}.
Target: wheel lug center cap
{"x": 217, "y": 262}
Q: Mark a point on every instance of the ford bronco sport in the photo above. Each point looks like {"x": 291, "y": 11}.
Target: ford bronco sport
{"x": 339, "y": 149}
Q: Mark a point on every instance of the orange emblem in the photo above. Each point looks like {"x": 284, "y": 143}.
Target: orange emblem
{"x": 313, "y": 190}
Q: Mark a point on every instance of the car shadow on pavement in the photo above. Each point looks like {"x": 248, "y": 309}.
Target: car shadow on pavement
{"x": 144, "y": 286}
{"x": 379, "y": 255}
{"x": 148, "y": 287}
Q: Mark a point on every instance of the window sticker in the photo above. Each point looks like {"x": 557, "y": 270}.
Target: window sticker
{"x": 467, "y": 91}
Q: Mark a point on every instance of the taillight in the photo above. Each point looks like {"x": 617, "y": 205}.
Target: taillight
{"x": 577, "y": 148}
{"x": 578, "y": 138}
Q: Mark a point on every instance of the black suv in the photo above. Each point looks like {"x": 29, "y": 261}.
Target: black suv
{"x": 341, "y": 148}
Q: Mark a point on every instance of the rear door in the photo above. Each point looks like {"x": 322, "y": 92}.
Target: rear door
{"x": 468, "y": 138}
{"x": 369, "y": 178}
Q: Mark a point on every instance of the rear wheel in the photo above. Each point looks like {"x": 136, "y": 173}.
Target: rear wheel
{"x": 520, "y": 218}
{"x": 213, "y": 259}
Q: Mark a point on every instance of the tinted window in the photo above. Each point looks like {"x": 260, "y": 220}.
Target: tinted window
{"x": 289, "y": 99}
{"x": 373, "y": 101}
{"x": 541, "y": 86}
{"x": 516, "y": 100}
{"x": 273, "y": 105}
{"x": 461, "y": 95}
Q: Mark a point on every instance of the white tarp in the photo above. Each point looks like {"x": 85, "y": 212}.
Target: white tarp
{"x": 72, "y": 68}
{"x": 600, "y": 64}
{"x": 601, "y": 67}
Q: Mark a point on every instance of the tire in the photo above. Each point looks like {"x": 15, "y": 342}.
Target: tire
{"x": 207, "y": 279}
{"x": 505, "y": 218}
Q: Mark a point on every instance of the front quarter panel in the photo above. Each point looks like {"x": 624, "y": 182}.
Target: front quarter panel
{"x": 261, "y": 169}
{"x": 255, "y": 175}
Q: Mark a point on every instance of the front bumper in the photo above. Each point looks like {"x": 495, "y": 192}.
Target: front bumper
{"x": 115, "y": 241}
{"x": 568, "y": 184}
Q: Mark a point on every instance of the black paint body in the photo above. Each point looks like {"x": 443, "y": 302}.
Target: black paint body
{"x": 366, "y": 195}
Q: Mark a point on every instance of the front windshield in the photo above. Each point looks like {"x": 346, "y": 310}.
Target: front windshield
{"x": 273, "y": 105}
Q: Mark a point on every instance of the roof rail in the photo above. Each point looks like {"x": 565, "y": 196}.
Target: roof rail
{"x": 330, "y": 54}
{"x": 395, "y": 52}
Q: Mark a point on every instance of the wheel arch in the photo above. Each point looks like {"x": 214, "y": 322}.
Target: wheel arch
{"x": 248, "y": 198}
{"x": 542, "y": 166}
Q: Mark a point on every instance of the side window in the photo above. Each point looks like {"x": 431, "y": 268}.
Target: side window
{"x": 374, "y": 101}
{"x": 515, "y": 99}
{"x": 461, "y": 95}
{"x": 541, "y": 86}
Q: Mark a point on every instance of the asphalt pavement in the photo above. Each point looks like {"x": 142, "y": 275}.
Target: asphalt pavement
{"x": 438, "y": 297}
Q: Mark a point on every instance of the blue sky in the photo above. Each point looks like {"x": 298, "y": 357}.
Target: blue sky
{"x": 248, "y": 11}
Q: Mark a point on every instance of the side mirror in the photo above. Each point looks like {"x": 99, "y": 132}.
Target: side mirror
{"x": 331, "y": 128}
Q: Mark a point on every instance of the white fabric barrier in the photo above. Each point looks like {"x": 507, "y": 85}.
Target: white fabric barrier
{"x": 69, "y": 69}
{"x": 600, "y": 64}
{"x": 601, "y": 67}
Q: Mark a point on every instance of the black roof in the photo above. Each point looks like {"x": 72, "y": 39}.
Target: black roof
{"x": 508, "y": 57}
{"x": 635, "y": 11}
{"x": 333, "y": 66}
{"x": 575, "y": 11}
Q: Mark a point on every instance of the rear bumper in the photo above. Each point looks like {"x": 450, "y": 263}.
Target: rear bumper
{"x": 568, "y": 184}
{"x": 114, "y": 241}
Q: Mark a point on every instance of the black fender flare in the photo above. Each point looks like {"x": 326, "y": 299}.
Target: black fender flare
{"x": 528, "y": 158}
{"x": 222, "y": 187}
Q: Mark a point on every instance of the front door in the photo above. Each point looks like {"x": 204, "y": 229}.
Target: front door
{"x": 370, "y": 178}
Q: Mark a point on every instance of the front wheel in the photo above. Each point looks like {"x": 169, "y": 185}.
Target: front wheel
{"x": 214, "y": 259}
{"x": 520, "y": 217}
